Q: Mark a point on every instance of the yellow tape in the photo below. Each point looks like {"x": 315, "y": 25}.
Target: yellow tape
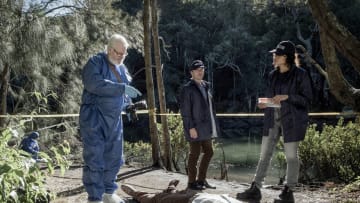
{"x": 177, "y": 114}
{"x": 39, "y": 116}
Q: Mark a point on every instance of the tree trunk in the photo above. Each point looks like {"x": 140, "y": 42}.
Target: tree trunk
{"x": 339, "y": 87}
{"x": 3, "y": 91}
{"x": 333, "y": 34}
{"x": 161, "y": 90}
{"x": 343, "y": 40}
{"x": 150, "y": 86}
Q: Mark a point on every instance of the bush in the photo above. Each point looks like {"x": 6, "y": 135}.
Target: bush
{"x": 332, "y": 153}
{"x": 138, "y": 152}
{"x": 20, "y": 177}
{"x": 179, "y": 146}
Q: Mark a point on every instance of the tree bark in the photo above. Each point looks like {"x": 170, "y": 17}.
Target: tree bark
{"x": 161, "y": 90}
{"x": 339, "y": 87}
{"x": 150, "y": 86}
{"x": 334, "y": 35}
{"x": 343, "y": 40}
{"x": 3, "y": 91}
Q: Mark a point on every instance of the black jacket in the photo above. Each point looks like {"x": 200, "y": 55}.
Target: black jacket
{"x": 294, "y": 110}
{"x": 195, "y": 111}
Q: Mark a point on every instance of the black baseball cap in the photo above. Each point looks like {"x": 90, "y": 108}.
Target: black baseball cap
{"x": 196, "y": 64}
{"x": 284, "y": 48}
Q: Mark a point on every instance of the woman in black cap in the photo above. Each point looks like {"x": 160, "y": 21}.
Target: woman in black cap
{"x": 288, "y": 96}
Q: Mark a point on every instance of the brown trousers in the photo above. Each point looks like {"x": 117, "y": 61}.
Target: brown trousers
{"x": 195, "y": 149}
{"x": 173, "y": 196}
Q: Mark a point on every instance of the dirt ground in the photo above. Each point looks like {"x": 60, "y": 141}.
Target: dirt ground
{"x": 69, "y": 187}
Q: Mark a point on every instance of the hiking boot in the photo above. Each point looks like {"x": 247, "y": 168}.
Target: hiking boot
{"x": 286, "y": 196}
{"x": 205, "y": 184}
{"x": 253, "y": 193}
{"x": 195, "y": 186}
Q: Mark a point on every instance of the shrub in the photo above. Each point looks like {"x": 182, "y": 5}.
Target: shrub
{"x": 179, "y": 146}
{"x": 20, "y": 177}
{"x": 138, "y": 152}
{"x": 332, "y": 153}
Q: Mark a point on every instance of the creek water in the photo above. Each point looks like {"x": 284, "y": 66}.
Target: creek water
{"x": 242, "y": 155}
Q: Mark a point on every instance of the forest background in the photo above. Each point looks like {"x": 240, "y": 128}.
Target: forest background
{"x": 46, "y": 43}
{"x": 45, "y": 51}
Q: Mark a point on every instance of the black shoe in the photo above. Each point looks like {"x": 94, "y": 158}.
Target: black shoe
{"x": 251, "y": 194}
{"x": 286, "y": 196}
{"x": 205, "y": 184}
{"x": 195, "y": 186}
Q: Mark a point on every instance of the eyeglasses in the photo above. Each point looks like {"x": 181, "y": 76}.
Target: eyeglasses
{"x": 119, "y": 53}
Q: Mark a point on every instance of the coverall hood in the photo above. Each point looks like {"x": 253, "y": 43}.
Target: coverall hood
{"x": 34, "y": 135}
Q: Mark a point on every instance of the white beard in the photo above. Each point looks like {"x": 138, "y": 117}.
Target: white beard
{"x": 115, "y": 64}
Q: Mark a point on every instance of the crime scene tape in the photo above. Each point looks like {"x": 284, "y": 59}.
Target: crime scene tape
{"x": 177, "y": 114}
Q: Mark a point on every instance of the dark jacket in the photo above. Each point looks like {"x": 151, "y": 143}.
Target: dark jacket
{"x": 195, "y": 111}
{"x": 294, "y": 110}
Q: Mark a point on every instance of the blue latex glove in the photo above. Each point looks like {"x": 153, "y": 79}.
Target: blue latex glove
{"x": 132, "y": 91}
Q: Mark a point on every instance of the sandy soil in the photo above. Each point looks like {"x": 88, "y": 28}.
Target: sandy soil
{"x": 69, "y": 187}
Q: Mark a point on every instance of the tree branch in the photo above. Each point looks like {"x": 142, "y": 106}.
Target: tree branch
{"x": 61, "y": 7}
{"x": 164, "y": 47}
{"x": 339, "y": 87}
{"x": 343, "y": 40}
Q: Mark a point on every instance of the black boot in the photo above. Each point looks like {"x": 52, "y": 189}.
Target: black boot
{"x": 195, "y": 186}
{"x": 286, "y": 196}
{"x": 253, "y": 193}
{"x": 205, "y": 184}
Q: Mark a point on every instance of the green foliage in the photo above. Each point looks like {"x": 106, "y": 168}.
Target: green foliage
{"x": 280, "y": 160}
{"x": 138, "y": 152}
{"x": 352, "y": 187}
{"x": 40, "y": 102}
{"x": 60, "y": 152}
{"x": 232, "y": 36}
{"x": 332, "y": 153}
{"x": 179, "y": 146}
{"x": 233, "y": 45}
{"x": 21, "y": 179}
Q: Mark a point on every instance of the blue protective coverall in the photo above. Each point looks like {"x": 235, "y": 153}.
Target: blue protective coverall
{"x": 29, "y": 144}
{"x": 101, "y": 126}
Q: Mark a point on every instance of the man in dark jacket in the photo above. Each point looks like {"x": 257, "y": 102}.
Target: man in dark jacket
{"x": 200, "y": 126}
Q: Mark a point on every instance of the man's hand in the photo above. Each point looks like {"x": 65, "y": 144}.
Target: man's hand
{"x": 193, "y": 133}
{"x": 132, "y": 91}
